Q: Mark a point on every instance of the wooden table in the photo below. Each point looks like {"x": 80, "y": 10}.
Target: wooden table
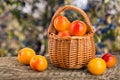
{"x": 11, "y": 69}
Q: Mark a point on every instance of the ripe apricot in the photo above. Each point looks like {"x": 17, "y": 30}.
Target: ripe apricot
{"x": 97, "y": 66}
{"x": 61, "y": 23}
{"x": 38, "y": 63}
{"x": 78, "y": 28}
{"x": 64, "y": 34}
{"x": 25, "y": 54}
{"x": 110, "y": 60}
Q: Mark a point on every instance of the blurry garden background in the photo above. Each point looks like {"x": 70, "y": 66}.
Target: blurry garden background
{"x": 24, "y": 23}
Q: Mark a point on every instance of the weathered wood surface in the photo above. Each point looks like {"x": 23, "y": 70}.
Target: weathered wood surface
{"x": 11, "y": 69}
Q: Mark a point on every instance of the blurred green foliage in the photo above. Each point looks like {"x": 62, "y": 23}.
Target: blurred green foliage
{"x": 24, "y": 23}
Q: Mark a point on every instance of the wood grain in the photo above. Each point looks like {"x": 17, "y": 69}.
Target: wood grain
{"x": 11, "y": 69}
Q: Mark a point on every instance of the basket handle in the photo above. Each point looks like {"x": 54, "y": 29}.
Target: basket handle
{"x": 69, "y": 7}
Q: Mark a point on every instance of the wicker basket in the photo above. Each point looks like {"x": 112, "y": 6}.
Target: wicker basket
{"x": 71, "y": 52}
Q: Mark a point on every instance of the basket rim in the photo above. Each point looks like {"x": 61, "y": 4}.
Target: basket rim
{"x": 54, "y": 36}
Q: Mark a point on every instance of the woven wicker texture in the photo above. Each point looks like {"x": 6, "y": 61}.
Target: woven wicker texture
{"x": 71, "y": 52}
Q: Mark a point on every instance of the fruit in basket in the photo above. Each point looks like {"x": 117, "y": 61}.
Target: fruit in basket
{"x": 97, "y": 66}
{"x": 38, "y": 63}
{"x": 78, "y": 28}
{"x": 64, "y": 33}
{"x": 61, "y": 23}
{"x": 109, "y": 59}
{"x": 25, "y": 54}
